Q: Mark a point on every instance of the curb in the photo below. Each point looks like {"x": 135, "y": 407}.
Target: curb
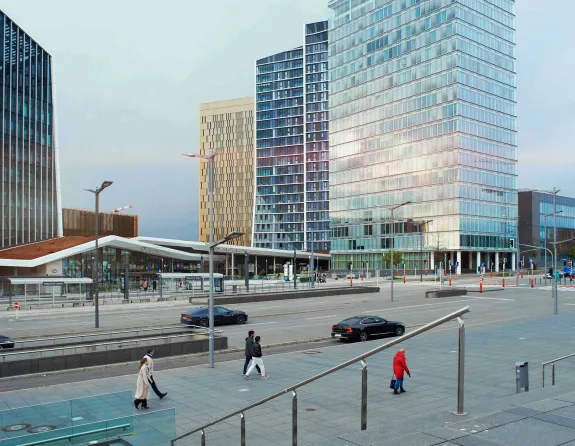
{"x": 159, "y": 360}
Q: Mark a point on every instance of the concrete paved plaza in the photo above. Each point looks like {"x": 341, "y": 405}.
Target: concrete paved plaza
{"x": 511, "y": 328}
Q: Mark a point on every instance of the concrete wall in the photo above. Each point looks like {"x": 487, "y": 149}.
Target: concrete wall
{"x": 43, "y": 365}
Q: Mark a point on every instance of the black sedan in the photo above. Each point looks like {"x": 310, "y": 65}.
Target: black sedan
{"x": 222, "y": 316}
{"x": 364, "y": 327}
{"x": 6, "y": 342}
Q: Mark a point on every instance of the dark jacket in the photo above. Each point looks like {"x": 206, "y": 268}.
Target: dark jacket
{"x": 257, "y": 350}
{"x": 249, "y": 346}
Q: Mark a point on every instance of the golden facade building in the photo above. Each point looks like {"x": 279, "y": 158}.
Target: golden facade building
{"x": 227, "y": 127}
{"x": 81, "y": 222}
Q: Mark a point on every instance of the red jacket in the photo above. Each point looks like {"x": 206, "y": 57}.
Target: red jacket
{"x": 399, "y": 365}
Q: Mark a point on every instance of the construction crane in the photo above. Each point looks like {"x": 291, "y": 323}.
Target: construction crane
{"x": 122, "y": 208}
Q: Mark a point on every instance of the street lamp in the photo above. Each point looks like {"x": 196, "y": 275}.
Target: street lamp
{"x": 96, "y": 193}
{"x": 227, "y": 238}
{"x": 392, "y": 209}
{"x": 421, "y": 224}
{"x": 545, "y": 238}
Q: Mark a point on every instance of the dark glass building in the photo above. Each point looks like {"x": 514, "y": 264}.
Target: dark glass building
{"x": 292, "y": 168}
{"x": 31, "y": 209}
{"x": 536, "y": 227}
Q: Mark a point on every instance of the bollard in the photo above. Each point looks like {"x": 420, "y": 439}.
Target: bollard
{"x": 351, "y": 281}
{"x": 532, "y": 284}
{"x": 403, "y": 279}
{"x": 294, "y": 419}
{"x": 461, "y": 369}
{"x": 503, "y": 281}
{"x": 481, "y": 287}
{"x": 363, "y": 395}
{"x": 449, "y": 280}
{"x": 522, "y": 274}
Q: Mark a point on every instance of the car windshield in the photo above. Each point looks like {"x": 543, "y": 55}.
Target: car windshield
{"x": 349, "y": 320}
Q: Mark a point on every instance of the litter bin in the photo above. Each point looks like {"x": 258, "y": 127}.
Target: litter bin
{"x": 522, "y": 376}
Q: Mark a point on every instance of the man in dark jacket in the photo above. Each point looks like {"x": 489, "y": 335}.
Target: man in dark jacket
{"x": 249, "y": 352}
{"x": 257, "y": 360}
{"x": 399, "y": 366}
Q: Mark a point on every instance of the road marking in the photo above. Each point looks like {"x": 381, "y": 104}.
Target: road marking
{"x": 491, "y": 298}
{"x": 263, "y": 323}
{"x": 320, "y": 317}
{"x": 415, "y": 306}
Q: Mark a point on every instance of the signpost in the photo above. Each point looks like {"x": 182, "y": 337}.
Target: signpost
{"x": 17, "y": 308}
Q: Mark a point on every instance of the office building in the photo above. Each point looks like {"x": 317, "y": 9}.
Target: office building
{"x": 292, "y": 168}
{"x": 422, "y": 111}
{"x": 31, "y": 204}
{"x": 536, "y": 227}
{"x": 82, "y": 222}
{"x": 227, "y": 127}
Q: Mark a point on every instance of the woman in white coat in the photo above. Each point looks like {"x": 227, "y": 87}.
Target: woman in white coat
{"x": 142, "y": 385}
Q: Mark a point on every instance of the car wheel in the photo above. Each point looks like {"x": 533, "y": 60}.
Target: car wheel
{"x": 204, "y": 323}
{"x": 240, "y": 319}
{"x": 399, "y": 331}
{"x": 363, "y": 336}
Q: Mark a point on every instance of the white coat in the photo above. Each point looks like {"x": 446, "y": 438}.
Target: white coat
{"x": 142, "y": 384}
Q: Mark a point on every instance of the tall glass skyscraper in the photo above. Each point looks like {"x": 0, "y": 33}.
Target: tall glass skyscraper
{"x": 31, "y": 207}
{"x": 292, "y": 168}
{"x": 422, "y": 107}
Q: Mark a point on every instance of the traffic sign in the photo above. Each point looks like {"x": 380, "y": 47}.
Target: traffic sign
{"x": 16, "y": 305}
{"x": 530, "y": 259}
{"x": 415, "y": 265}
{"x": 482, "y": 264}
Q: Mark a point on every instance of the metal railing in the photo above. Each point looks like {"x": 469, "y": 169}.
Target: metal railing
{"x": 460, "y": 387}
{"x": 552, "y": 362}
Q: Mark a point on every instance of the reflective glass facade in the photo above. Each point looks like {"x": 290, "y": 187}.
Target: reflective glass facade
{"x": 30, "y": 199}
{"x": 422, "y": 107}
{"x": 292, "y": 152}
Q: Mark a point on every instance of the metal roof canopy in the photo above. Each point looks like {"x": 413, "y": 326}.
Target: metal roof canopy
{"x": 203, "y": 247}
{"x": 44, "y": 280}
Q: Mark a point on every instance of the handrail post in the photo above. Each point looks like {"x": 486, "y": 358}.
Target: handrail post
{"x": 203, "y": 437}
{"x": 294, "y": 418}
{"x": 363, "y": 395}
{"x": 461, "y": 369}
{"x": 553, "y": 374}
{"x": 243, "y": 427}
{"x": 543, "y": 375}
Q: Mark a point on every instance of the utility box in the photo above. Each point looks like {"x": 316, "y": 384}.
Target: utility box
{"x": 522, "y": 376}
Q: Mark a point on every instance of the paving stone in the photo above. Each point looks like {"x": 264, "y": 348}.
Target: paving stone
{"x": 529, "y": 432}
{"x": 548, "y": 404}
{"x": 551, "y": 417}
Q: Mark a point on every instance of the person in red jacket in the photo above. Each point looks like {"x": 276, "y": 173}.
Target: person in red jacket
{"x": 399, "y": 366}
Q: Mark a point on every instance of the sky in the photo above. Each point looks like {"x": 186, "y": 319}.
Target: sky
{"x": 130, "y": 76}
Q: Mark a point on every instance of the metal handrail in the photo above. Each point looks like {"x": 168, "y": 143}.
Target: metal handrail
{"x": 552, "y": 362}
{"x": 362, "y": 357}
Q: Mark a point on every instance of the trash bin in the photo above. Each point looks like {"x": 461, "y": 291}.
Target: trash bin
{"x": 522, "y": 376}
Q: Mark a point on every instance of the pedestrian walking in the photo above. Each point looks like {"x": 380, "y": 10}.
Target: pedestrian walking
{"x": 249, "y": 352}
{"x": 257, "y": 359}
{"x": 149, "y": 356}
{"x": 154, "y": 284}
{"x": 142, "y": 386}
{"x": 399, "y": 366}
{"x": 145, "y": 286}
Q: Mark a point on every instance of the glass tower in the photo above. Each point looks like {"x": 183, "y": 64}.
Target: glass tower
{"x": 292, "y": 170}
{"x": 31, "y": 209}
{"x": 422, "y": 107}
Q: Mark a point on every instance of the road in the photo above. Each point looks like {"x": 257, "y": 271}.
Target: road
{"x": 298, "y": 319}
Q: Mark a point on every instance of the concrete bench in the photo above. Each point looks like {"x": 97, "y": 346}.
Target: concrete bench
{"x": 445, "y": 292}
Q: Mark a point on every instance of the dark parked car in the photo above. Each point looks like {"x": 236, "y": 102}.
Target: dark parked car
{"x": 6, "y": 342}
{"x": 361, "y": 328}
{"x": 222, "y": 316}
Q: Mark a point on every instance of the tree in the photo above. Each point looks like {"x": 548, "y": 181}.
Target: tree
{"x": 397, "y": 257}
{"x": 437, "y": 247}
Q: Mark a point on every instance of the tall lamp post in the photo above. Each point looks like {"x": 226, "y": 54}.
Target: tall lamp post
{"x": 392, "y": 209}
{"x": 545, "y": 241}
{"x": 421, "y": 224}
{"x": 95, "y": 282}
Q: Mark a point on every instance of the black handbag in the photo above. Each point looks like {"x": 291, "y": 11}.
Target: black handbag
{"x": 392, "y": 383}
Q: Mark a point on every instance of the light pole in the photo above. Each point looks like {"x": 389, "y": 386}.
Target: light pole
{"x": 227, "y": 238}
{"x": 545, "y": 242}
{"x": 421, "y": 224}
{"x": 95, "y": 282}
{"x": 392, "y": 209}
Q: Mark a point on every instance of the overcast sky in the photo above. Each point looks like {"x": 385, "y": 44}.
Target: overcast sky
{"x": 131, "y": 73}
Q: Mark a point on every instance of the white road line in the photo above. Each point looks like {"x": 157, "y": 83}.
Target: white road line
{"x": 320, "y": 317}
{"x": 491, "y": 298}
{"x": 262, "y": 323}
{"x": 416, "y": 306}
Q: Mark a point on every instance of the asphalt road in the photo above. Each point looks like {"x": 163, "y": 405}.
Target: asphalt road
{"x": 298, "y": 319}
